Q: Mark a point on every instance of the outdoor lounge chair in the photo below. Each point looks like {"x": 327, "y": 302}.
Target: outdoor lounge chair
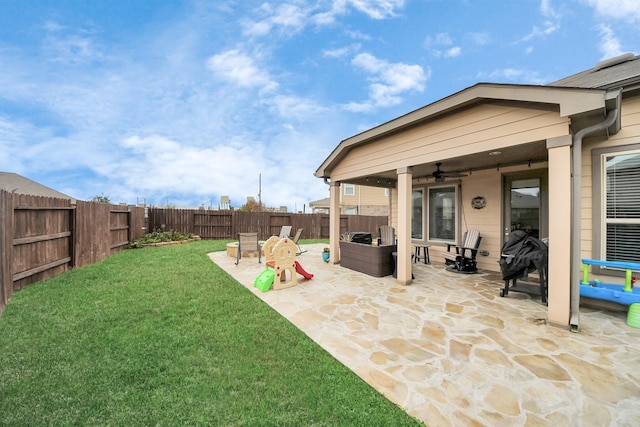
{"x": 387, "y": 235}
{"x": 285, "y": 231}
{"x": 463, "y": 260}
{"x": 295, "y": 240}
{"x": 248, "y": 242}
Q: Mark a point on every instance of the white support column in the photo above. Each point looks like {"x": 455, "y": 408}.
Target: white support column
{"x": 404, "y": 225}
{"x": 559, "y": 303}
{"x": 334, "y": 222}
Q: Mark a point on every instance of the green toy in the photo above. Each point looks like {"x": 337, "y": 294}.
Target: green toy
{"x": 265, "y": 280}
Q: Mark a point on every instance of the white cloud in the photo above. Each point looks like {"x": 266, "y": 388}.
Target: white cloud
{"x": 548, "y": 10}
{"x": 514, "y": 75}
{"x": 550, "y": 25}
{"x": 480, "y": 39}
{"x": 453, "y": 52}
{"x": 70, "y": 46}
{"x": 628, "y": 10}
{"x": 240, "y": 69}
{"x": 389, "y": 81}
{"x": 295, "y": 107}
{"x": 377, "y": 9}
{"x": 187, "y": 169}
{"x": 337, "y": 53}
{"x": 341, "y": 52}
{"x": 609, "y": 44}
{"x": 289, "y": 17}
{"x": 441, "y": 45}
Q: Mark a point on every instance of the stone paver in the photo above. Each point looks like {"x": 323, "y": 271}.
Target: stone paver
{"x": 451, "y": 351}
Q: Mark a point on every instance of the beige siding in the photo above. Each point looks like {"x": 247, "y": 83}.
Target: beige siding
{"x": 629, "y": 134}
{"x": 366, "y": 200}
{"x": 478, "y": 129}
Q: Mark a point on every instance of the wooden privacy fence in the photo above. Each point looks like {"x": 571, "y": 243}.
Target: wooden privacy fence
{"x": 226, "y": 224}
{"x": 41, "y": 237}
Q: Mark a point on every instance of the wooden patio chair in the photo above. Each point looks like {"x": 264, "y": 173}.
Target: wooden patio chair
{"x": 463, "y": 260}
{"x": 387, "y": 235}
{"x": 248, "y": 242}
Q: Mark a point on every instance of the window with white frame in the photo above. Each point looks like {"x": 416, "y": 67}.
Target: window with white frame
{"x": 349, "y": 189}
{"x": 435, "y": 213}
{"x": 619, "y": 205}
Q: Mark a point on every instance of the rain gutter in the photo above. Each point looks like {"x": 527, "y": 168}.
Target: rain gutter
{"x": 612, "y": 116}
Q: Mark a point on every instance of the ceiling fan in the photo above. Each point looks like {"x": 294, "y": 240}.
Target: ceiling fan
{"x": 440, "y": 175}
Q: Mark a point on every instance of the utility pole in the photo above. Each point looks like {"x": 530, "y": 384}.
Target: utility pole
{"x": 260, "y": 192}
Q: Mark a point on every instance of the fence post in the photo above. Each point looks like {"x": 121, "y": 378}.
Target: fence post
{"x": 6, "y": 248}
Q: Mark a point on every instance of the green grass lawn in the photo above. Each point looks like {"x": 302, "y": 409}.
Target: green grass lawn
{"x": 163, "y": 336}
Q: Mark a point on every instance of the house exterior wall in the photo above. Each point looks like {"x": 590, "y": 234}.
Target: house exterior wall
{"x": 481, "y": 128}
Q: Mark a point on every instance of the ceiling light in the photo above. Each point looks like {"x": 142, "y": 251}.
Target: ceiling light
{"x": 495, "y": 153}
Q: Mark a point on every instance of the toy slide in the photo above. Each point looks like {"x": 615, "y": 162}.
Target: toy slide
{"x": 265, "y": 280}
{"x": 302, "y": 271}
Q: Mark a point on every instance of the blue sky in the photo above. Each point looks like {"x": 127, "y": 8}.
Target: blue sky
{"x": 181, "y": 102}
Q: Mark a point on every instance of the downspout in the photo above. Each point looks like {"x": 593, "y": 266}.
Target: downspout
{"x": 576, "y": 228}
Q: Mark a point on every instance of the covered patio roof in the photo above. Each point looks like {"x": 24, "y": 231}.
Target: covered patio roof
{"x": 581, "y": 106}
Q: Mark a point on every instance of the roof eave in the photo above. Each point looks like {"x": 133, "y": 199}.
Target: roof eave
{"x": 571, "y": 101}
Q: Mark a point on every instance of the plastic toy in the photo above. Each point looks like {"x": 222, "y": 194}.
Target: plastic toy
{"x": 622, "y": 294}
{"x": 284, "y": 257}
{"x": 302, "y": 271}
{"x": 280, "y": 257}
{"x": 265, "y": 279}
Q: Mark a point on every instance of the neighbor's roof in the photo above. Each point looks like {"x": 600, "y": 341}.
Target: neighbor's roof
{"x": 321, "y": 203}
{"x": 13, "y": 182}
{"x": 621, "y": 71}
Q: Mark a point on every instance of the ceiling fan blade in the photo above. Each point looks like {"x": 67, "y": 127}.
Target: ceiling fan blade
{"x": 440, "y": 175}
{"x": 453, "y": 174}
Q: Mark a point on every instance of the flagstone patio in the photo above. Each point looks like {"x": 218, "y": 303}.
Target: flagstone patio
{"x": 451, "y": 351}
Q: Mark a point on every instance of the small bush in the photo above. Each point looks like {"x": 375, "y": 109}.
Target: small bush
{"x": 160, "y": 237}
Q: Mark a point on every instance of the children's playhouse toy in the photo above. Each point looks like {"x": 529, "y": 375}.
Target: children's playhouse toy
{"x": 281, "y": 264}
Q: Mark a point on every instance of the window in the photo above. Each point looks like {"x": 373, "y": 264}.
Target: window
{"x": 349, "y": 190}
{"x": 437, "y": 207}
{"x": 620, "y": 231}
{"x": 442, "y": 214}
{"x": 416, "y": 214}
